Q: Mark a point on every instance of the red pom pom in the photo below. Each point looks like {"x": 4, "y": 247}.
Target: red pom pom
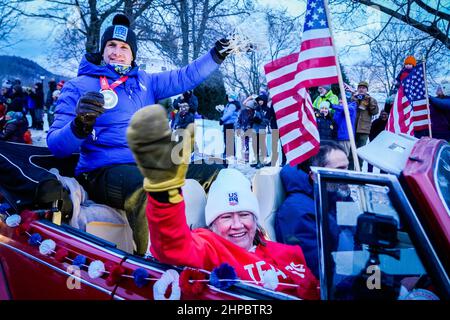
{"x": 23, "y": 228}
{"x": 115, "y": 273}
{"x": 188, "y": 285}
{"x": 61, "y": 254}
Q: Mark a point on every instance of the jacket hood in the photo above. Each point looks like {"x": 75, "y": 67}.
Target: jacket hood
{"x": 295, "y": 180}
{"x": 91, "y": 65}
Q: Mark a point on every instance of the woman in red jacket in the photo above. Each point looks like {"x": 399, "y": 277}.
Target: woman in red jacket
{"x": 232, "y": 236}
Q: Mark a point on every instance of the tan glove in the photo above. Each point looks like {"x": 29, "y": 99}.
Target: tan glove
{"x": 162, "y": 162}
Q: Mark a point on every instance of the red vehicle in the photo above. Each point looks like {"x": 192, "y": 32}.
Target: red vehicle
{"x": 394, "y": 236}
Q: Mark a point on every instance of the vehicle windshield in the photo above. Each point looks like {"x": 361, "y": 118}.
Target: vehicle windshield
{"x": 368, "y": 251}
{"x": 442, "y": 176}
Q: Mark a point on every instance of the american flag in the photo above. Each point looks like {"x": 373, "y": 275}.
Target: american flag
{"x": 289, "y": 77}
{"x": 409, "y": 112}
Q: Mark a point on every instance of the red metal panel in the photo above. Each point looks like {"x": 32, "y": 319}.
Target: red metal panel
{"x": 418, "y": 174}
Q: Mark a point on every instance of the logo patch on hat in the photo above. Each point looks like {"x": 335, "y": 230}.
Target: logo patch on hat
{"x": 233, "y": 199}
{"x": 120, "y": 32}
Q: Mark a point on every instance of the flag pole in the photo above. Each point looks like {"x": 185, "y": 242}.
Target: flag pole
{"x": 426, "y": 95}
{"x": 344, "y": 98}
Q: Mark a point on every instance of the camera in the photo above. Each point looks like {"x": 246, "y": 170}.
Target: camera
{"x": 376, "y": 230}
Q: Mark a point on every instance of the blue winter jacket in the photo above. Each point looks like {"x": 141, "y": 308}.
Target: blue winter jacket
{"x": 107, "y": 145}
{"x": 295, "y": 220}
{"x": 339, "y": 118}
{"x": 230, "y": 112}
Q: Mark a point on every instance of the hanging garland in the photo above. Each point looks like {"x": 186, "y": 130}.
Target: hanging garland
{"x": 192, "y": 282}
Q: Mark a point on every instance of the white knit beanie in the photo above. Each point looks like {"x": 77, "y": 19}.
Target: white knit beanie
{"x": 230, "y": 192}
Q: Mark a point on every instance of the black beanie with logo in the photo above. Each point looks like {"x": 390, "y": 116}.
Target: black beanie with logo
{"x": 120, "y": 30}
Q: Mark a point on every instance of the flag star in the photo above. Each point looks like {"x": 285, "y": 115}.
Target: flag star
{"x": 322, "y": 22}
{"x": 308, "y": 12}
{"x": 313, "y": 4}
{"x": 315, "y": 16}
{"x": 310, "y": 24}
{"x": 320, "y": 10}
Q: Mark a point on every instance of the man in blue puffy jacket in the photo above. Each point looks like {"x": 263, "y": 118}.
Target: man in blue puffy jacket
{"x": 295, "y": 220}
{"x": 94, "y": 109}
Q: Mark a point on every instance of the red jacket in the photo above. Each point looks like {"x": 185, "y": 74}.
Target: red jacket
{"x": 173, "y": 242}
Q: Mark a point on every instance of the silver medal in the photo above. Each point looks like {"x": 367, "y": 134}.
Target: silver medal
{"x": 111, "y": 98}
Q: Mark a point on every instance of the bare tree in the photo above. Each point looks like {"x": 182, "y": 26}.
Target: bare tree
{"x": 432, "y": 19}
{"x": 8, "y": 21}
{"x": 183, "y": 29}
{"x": 245, "y": 72}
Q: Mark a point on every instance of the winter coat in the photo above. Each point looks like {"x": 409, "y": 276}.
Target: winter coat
{"x": 182, "y": 121}
{"x": 173, "y": 242}
{"x": 341, "y": 123}
{"x": 230, "y": 112}
{"x": 326, "y": 126}
{"x": 378, "y": 125}
{"x": 329, "y": 96}
{"x": 295, "y": 220}
{"x": 107, "y": 145}
{"x": 14, "y": 130}
{"x": 245, "y": 119}
{"x": 19, "y": 102}
{"x": 366, "y": 108}
{"x": 38, "y": 97}
{"x": 51, "y": 88}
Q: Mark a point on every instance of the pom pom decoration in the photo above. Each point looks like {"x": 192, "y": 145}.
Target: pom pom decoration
{"x": 47, "y": 247}
{"x": 79, "y": 261}
{"x": 122, "y": 20}
{"x": 170, "y": 277}
{"x": 35, "y": 239}
{"x": 13, "y": 221}
{"x": 96, "y": 269}
{"x": 140, "y": 276}
{"x": 250, "y": 35}
{"x": 270, "y": 279}
{"x": 188, "y": 282}
{"x": 115, "y": 273}
{"x": 61, "y": 254}
{"x": 223, "y": 277}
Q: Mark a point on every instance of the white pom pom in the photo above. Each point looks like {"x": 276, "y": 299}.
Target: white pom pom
{"x": 270, "y": 279}
{"x": 13, "y": 221}
{"x": 159, "y": 288}
{"x": 47, "y": 247}
{"x": 96, "y": 269}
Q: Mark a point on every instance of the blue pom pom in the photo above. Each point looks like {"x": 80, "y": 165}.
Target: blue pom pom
{"x": 140, "y": 276}
{"x": 4, "y": 207}
{"x": 35, "y": 239}
{"x": 79, "y": 260}
{"x": 222, "y": 272}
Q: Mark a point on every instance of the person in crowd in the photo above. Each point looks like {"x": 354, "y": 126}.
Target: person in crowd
{"x": 258, "y": 134}
{"x": 37, "y": 95}
{"x": 339, "y": 118}
{"x": 6, "y": 93}
{"x": 325, "y": 94}
{"x": 367, "y": 107}
{"x": 244, "y": 124}
{"x": 18, "y": 100}
{"x": 439, "y": 114}
{"x": 49, "y": 98}
{"x": 231, "y": 234}
{"x": 295, "y": 219}
{"x": 51, "y": 109}
{"x": 187, "y": 97}
{"x": 409, "y": 63}
{"x": 378, "y": 125}
{"x": 184, "y": 117}
{"x": 2, "y": 115}
{"x": 94, "y": 109}
{"x": 325, "y": 122}
{"x": 228, "y": 119}
{"x": 15, "y": 127}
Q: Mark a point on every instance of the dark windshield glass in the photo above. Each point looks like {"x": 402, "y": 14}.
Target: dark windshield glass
{"x": 442, "y": 176}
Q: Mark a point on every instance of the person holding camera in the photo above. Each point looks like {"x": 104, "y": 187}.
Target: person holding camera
{"x": 366, "y": 107}
{"x": 94, "y": 110}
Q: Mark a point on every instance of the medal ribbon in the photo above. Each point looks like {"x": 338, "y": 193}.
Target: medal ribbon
{"x": 105, "y": 86}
